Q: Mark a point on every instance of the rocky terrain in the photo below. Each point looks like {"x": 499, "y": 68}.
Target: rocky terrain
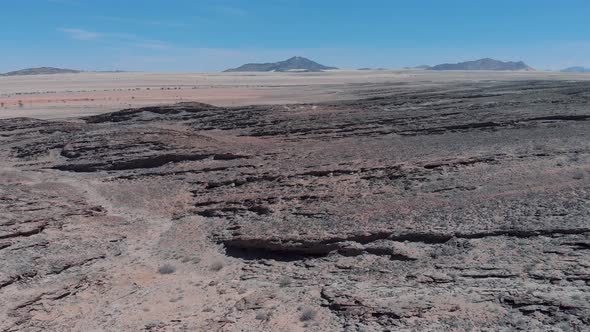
{"x": 451, "y": 207}
{"x": 295, "y": 63}
{"x": 484, "y": 64}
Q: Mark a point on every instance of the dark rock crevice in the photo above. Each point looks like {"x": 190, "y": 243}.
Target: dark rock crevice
{"x": 308, "y": 248}
{"x": 143, "y": 163}
{"x": 30, "y": 231}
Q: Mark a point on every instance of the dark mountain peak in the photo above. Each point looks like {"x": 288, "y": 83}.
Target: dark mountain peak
{"x": 297, "y": 59}
{"x": 484, "y": 64}
{"x": 41, "y": 71}
{"x": 296, "y": 63}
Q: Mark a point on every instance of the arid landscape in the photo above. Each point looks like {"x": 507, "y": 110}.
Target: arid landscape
{"x": 70, "y": 95}
{"x": 334, "y": 201}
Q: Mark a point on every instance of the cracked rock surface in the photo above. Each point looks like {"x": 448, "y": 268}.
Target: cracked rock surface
{"x": 463, "y": 206}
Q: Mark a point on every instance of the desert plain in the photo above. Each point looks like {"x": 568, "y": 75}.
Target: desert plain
{"x": 336, "y": 201}
{"x": 71, "y": 95}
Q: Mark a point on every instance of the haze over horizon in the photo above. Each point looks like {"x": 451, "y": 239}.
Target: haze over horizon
{"x": 210, "y": 35}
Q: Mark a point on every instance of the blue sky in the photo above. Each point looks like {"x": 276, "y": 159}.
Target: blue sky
{"x": 211, "y": 35}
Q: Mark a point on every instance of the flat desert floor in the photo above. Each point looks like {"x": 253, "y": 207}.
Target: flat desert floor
{"x": 70, "y": 95}
{"x": 341, "y": 201}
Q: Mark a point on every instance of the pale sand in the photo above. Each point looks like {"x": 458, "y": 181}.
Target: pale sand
{"x": 72, "y": 95}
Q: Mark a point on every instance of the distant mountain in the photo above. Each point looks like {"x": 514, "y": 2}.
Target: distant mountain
{"x": 364, "y": 69}
{"x": 576, "y": 70}
{"x": 41, "y": 71}
{"x": 422, "y": 67}
{"x": 296, "y": 63}
{"x": 484, "y": 64}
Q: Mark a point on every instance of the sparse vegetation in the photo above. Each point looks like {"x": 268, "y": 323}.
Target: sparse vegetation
{"x": 285, "y": 282}
{"x": 190, "y": 259}
{"x": 263, "y": 315}
{"x": 578, "y": 175}
{"x": 308, "y": 314}
{"x": 216, "y": 266}
{"x": 166, "y": 269}
{"x": 176, "y": 299}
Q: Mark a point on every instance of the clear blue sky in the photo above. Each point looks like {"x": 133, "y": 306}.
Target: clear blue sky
{"x": 211, "y": 35}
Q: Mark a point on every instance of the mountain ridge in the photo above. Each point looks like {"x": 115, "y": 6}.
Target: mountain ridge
{"x": 484, "y": 64}
{"x": 41, "y": 71}
{"x": 296, "y": 63}
{"x": 576, "y": 69}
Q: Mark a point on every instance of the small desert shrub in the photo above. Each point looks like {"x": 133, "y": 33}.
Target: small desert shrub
{"x": 284, "y": 282}
{"x": 166, "y": 269}
{"x": 176, "y": 299}
{"x": 153, "y": 325}
{"x": 578, "y": 175}
{"x": 307, "y": 314}
{"x": 263, "y": 316}
{"x": 216, "y": 266}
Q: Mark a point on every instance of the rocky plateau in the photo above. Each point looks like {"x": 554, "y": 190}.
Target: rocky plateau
{"x": 451, "y": 207}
